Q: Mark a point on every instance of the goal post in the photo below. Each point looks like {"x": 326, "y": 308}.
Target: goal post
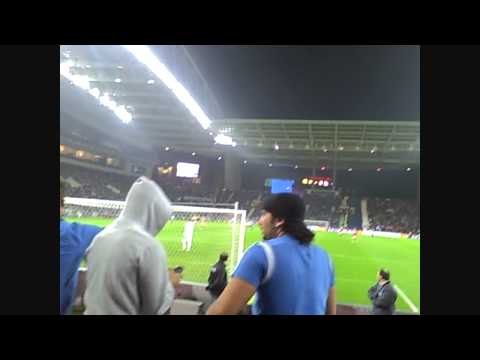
{"x": 215, "y": 230}
{"x": 317, "y": 225}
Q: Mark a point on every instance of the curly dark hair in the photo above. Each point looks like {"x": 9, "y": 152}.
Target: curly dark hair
{"x": 385, "y": 274}
{"x": 290, "y": 208}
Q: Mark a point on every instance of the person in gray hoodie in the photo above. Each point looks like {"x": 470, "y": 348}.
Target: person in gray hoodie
{"x": 127, "y": 267}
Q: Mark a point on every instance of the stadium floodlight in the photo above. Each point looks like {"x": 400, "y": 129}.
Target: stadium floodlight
{"x": 83, "y": 82}
{"x": 145, "y": 56}
{"x": 123, "y": 114}
{"x": 224, "y": 140}
{"x": 94, "y": 92}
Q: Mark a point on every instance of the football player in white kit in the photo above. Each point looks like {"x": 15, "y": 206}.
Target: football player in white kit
{"x": 188, "y": 234}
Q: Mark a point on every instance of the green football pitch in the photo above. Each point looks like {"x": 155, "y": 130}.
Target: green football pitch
{"x": 356, "y": 264}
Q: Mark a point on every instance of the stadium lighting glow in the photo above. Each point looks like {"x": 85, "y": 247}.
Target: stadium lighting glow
{"x": 123, "y": 114}
{"x": 276, "y": 147}
{"x": 145, "y": 56}
{"x": 219, "y": 158}
{"x": 409, "y": 169}
{"x": 224, "y": 140}
{"x": 194, "y": 153}
{"x": 167, "y": 148}
{"x": 94, "y": 92}
{"x": 150, "y": 82}
{"x": 83, "y": 82}
{"x": 210, "y": 133}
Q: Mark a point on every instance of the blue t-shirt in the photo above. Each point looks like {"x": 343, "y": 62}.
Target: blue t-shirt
{"x": 74, "y": 241}
{"x": 299, "y": 283}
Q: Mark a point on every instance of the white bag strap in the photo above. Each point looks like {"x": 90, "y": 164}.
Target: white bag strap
{"x": 270, "y": 261}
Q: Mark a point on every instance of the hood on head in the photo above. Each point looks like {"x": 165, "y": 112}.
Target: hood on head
{"x": 147, "y": 205}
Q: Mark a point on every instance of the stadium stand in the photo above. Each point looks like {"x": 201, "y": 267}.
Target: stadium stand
{"x": 394, "y": 215}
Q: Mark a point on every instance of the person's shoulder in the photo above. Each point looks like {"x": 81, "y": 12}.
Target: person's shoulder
{"x": 255, "y": 250}
{"x": 319, "y": 250}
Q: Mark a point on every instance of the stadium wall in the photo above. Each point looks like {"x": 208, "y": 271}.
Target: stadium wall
{"x": 193, "y": 299}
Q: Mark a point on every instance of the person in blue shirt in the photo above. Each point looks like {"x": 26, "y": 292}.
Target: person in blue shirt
{"x": 289, "y": 274}
{"x": 75, "y": 239}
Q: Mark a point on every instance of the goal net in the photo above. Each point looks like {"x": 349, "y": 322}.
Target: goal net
{"x": 195, "y": 247}
{"x": 317, "y": 225}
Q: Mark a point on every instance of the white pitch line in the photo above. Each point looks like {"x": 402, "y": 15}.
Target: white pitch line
{"x": 407, "y": 300}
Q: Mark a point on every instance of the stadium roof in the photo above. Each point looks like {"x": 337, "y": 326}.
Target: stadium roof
{"x": 160, "y": 120}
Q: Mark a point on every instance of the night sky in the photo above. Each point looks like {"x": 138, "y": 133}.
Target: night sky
{"x": 313, "y": 82}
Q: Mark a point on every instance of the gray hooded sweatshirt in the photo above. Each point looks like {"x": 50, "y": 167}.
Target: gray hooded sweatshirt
{"x": 127, "y": 267}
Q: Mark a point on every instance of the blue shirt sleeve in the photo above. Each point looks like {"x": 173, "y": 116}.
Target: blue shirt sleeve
{"x": 332, "y": 272}
{"x": 86, "y": 234}
{"x": 253, "y": 266}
